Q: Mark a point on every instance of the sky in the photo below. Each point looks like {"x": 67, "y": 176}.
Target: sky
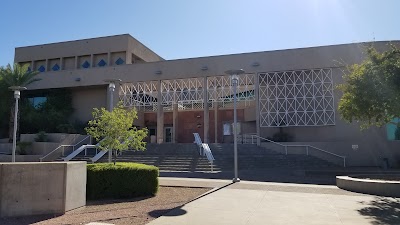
{"x": 177, "y": 29}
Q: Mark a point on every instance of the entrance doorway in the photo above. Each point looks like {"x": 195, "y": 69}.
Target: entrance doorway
{"x": 168, "y": 135}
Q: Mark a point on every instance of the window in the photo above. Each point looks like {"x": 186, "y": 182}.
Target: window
{"x": 42, "y": 69}
{"x": 228, "y": 128}
{"x": 86, "y": 65}
{"x": 119, "y": 61}
{"x": 37, "y": 101}
{"x": 102, "y": 63}
{"x": 152, "y": 131}
{"x": 393, "y": 131}
{"x": 56, "y": 67}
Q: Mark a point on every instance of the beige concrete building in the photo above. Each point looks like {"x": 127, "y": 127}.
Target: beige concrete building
{"x": 290, "y": 91}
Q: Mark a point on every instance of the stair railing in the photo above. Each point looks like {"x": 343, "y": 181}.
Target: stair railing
{"x": 62, "y": 148}
{"x": 209, "y": 155}
{"x": 252, "y": 139}
{"x": 198, "y": 142}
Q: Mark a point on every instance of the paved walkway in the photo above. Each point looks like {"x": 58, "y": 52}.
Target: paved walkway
{"x": 278, "y": 203}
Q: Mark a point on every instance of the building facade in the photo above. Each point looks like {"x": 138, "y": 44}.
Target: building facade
{"x": 285, "y": 95}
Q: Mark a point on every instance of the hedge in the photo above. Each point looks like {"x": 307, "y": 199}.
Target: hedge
{"x": 123, "y": 180}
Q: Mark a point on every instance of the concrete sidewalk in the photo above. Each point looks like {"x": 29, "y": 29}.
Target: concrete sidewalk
{"x": 279, "y": 203}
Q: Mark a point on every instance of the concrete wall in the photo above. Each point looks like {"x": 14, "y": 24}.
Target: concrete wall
{"x": 41, "y": 188}
{"x": 292, "y": 59}
{"x": 369, "y": 153}
{"x": 61, "y": 138}
{"x": 5, "y": 148}
{"x": 20, "y": 158}
{"x": 42, "y": 148}
{"x": 101, "y": 45}
{"x": 85, "y": 99}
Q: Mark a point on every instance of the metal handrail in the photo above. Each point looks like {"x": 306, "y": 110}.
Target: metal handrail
{"x": 73, "y": 148}
{"x": 209, "y": 155}
{"x": 41, "y": 158}
{"x": 198, "y": 142}
{"x": 286, "y": 147}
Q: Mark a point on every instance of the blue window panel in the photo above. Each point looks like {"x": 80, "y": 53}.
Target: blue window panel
{"x": 56, "y": 67}
{"x": 29, "y": 69}
{"x": 119, "y": 61}
{"x": 42, "y": 69}
{"x": 102, "y": 63}
{"x": 391, "y": 129}
{"x": 37, "y": 102}
{"x": 86, "y": 64}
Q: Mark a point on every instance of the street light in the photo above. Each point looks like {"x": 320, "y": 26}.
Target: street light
{"x": 235, "y": 80}
{"x": 111, "y": 88}
{"x": 17, "y": 93}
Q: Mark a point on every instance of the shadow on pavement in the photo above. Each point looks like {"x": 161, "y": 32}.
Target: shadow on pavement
{"x": 26, "y": 220}
{"x": 383, "y": 210}
{"x": 177, "y": 211}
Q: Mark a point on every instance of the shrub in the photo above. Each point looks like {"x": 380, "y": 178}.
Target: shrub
{"x": 22, "y": 147}
{"x": 122, "y": 180}
{"x": 41, "y": 137}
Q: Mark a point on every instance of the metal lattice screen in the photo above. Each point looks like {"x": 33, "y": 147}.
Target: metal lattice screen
{"x": 187, "y": 93}
{"x": 142, "y": 95}
{"x": 220, "y": 90}
{"x": 296, "y": 98}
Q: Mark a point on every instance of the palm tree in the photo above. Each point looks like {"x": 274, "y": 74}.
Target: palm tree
{"x": 17, "y": 75}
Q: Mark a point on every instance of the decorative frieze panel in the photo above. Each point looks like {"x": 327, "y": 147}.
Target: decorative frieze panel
{"x": 220, "y": 90}
{"x": 296, "y": 98}
{"x": 142, "y": 95}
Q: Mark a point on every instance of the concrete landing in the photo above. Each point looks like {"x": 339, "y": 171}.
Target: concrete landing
{"x": 250, "y": 203}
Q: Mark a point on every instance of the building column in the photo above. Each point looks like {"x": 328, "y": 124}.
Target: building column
{"x": 160, "y": 115}
{"x": 108, "y": 58}
{"x": 47, "y": 65}
{"x": 257, "y": 99}
{"x": 215, "y": 116}
{"x": 206, "y": 112}
{"x": 76, "y": 62}
{"x": 91, "y": 60}
{"x": 33, "y": 65}
{"x": 175, "y": 123}
{"x": 128, "y": 57}
{"x": 62, "y": 63}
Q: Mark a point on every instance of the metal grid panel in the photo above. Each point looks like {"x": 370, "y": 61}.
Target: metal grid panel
{"x": 142, "y": 95}
{"x": 187, "y": 93}
{"x": 220, "y": 90}
{"x": 296, "y": 98}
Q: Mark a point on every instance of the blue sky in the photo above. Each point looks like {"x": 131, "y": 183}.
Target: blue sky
{"x": 185, "y": 29}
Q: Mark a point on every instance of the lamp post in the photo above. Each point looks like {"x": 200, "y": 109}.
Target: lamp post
{"x": 17, "y": 94}
{"x": 111, "y": 88}
{"x": 235, "y": 80}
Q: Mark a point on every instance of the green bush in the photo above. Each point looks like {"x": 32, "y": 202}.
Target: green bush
{"x": 123, "y": 180}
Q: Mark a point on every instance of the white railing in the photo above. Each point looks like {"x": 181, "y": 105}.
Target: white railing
{"x": 204, "y": 150}
{"x": 98, "y": 155}
{"x": 209, "y": 155}
{"x": 79, "y": 150}
{"x": 198, "y": 142}
{"x": 252, "y": 139}
{"x": 62, "y": 148}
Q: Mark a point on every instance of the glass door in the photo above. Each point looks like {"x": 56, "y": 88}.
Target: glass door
{"x": 168, "y": 135}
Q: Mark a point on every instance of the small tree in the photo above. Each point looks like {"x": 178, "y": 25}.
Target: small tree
{"x": 371, "y": 92}
{"x": 115, "y": 131}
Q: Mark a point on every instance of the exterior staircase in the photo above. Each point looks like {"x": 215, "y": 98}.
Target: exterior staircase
{"x": 186, "y": 158}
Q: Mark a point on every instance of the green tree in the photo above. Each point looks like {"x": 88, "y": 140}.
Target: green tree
{"x": 115, "y": 131}
{"x": 371, "y": 91}
{"x": 16, "y": 75}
